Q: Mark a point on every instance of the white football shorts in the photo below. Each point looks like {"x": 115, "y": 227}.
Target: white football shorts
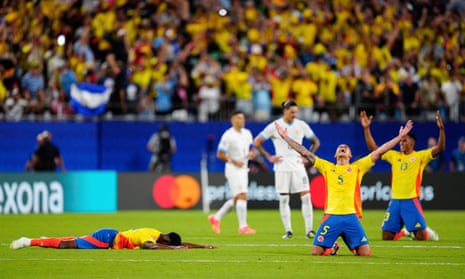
{"x": 290, "y": 182}
{"x": 238, "y": 181}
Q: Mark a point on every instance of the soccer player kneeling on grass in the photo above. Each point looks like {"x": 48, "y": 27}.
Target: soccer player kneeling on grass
{"x": 343, "y": 204}
{"x": 407, "y": 167}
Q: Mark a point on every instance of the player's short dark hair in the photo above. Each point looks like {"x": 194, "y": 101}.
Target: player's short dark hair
{"x": 174, "y": 239}
{"x": 289, "y": 103}
{"x": 412, "y": 136}
{"x": 236, "y": 112}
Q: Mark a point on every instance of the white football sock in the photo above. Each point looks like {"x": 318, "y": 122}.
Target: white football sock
{"x": 285, "y": 211}
{"x": 307, "y": 212}
{"x": 241, "y": 210}
{"x": 224, "y": 209}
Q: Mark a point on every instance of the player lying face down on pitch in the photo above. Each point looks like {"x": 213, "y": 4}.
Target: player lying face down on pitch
{"x": 107, "y": 238}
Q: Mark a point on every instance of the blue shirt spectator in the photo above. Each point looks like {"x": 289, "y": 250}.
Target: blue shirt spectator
{"x": 261, "y": 97}
{"x": 164, "y": 89}
{"x": 67, "y": 78}
{"x": 457, "y": 162}
{"x": 33, "y": 82}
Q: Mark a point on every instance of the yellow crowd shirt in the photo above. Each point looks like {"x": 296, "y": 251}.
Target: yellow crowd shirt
{"x": 327, "y": 86}
{"x": 342, "y": 183}
{"x": 304, "y": 91}
{"x": 281, "y": 89}
{"x": 407, "y": 172}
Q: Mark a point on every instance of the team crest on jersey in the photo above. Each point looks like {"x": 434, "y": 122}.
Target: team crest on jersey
{"x": 321, "y": 238}
{"x": 412, "y": 159}
{"x": 294, "y": 132}
{"x": 349, "y": 169}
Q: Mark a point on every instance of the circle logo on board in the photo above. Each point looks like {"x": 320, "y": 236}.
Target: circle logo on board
{"x": 182, "y": 191}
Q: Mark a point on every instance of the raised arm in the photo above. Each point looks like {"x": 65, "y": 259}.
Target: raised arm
{"x": 295, "y": 145}
{"x": 403, "y": 131}
{"x": 366, "y": 122}
{"x": 441, "y": 145}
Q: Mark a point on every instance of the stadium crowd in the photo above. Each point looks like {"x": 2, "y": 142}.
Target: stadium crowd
{"x": 201, "y": 59}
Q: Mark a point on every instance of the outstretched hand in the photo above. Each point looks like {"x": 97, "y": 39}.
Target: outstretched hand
{"x": 282, "y": 132}
{"x": 439, "y": 120}
{"x": 205, "y": 246}
{"x": 188, "y": 245}
{"x": 404, "y": 130}
{"x": 365, "y": 120}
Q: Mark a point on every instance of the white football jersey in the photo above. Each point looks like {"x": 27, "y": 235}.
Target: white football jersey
{"x": 297, "y": 130}
{"x": 236, "y": 145}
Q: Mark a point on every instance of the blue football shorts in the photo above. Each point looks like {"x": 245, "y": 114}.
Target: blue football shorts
{"x": 346, "y": 226}
{"x": 100, "y": 239}
{"x": 404, "y": 212}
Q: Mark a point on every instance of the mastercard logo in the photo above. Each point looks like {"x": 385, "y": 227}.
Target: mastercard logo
{"x": 182, "y": 191}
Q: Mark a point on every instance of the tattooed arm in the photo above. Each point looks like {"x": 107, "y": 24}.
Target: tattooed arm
{"x": 295, "y": 145}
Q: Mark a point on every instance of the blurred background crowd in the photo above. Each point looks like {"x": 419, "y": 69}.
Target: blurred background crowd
{"x": 199, "y": 60}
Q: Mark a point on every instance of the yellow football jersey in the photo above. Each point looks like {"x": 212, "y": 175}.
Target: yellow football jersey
{"x": 343, "y": 185}
{"x": 407, "y": 172}
{"x": 133, "y": 239}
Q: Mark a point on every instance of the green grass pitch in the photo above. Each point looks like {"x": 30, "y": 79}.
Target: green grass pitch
{"x": 264, "y": 255}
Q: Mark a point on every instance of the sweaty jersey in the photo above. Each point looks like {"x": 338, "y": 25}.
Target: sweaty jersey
{"x": 236, "y": 145}
{"x": 297, "y": 130}
{"x": 133, "y": 239}
{"x": 343, "y": 185}
{"x": 407, "y": 172}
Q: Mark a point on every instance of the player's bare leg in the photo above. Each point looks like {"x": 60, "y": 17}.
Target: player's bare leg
{"x": 67, "y": 244}
{"x": 318, "y": 250}
{"x": 388, "y": 235}
{"x": 325, "y": 251}
{"x": 363, "y": 250}
{"x": 426, "y": 234}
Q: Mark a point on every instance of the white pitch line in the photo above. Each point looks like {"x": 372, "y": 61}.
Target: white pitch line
{"x": 377, "y": 246}
{"x": 264, "y": 245}
{"x": 419, "y": 246}
{"x": 231, "y": 261}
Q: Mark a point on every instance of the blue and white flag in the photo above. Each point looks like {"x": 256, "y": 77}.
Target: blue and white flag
{"x": 89, "y": 99}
